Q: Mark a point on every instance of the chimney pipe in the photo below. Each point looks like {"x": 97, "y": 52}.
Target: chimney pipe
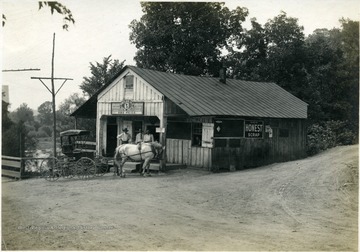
{"x": 222, "y": 75}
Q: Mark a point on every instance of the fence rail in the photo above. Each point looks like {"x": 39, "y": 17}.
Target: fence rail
{"x": 25, "y": 167}
{"x": 11, "y": 167}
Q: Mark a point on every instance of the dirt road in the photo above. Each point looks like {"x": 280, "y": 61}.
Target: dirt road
{"x": 309, "y": 204}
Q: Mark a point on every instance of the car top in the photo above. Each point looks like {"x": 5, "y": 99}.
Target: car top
{"x": 75, "y": 132}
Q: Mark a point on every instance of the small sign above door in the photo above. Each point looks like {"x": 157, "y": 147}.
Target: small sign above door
{"x": 127, "y": 107}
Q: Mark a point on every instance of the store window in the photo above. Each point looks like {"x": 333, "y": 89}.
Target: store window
{"x": 283, "y": 133}
{"x": 229, "y": 128}
{"x": 196, "y": 134}
{"x": 129, "y": 81}
{"x": 179, "y": 130}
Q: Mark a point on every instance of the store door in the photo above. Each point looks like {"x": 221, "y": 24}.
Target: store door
{"x": 111, "y": 141}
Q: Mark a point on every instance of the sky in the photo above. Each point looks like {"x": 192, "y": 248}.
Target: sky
{"x": 101, "y": 29}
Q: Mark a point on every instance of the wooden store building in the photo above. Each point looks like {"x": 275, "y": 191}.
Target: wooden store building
{"x": 203, "y": 121}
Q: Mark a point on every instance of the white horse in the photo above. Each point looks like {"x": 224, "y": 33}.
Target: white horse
{"x": 135, "y": 152}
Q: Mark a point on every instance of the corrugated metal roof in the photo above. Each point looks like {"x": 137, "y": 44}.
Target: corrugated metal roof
{"x": 202, "y": 96}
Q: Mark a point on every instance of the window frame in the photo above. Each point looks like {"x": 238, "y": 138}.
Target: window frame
{"x": 129, "y": 79}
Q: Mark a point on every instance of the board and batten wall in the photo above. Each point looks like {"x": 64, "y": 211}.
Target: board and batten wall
{"x": 246, "y": 152}
{"x": 257, "y": 152}
{"x": 115, "y": 93}
{"x": 180, "y": 151}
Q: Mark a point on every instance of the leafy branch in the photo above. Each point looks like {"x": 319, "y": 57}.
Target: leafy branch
{"x": 54, "y": 6}
{"x": 61, "y": 9}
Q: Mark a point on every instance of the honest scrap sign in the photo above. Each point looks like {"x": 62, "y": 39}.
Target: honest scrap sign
{"x": 254, "y": 129}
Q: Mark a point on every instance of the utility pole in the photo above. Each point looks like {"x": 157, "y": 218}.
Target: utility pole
{"x": 52, "y": 91}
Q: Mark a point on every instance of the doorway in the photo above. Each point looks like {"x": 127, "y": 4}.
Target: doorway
{"x": 152, "y": 130}
{"x": 111, "y": 140}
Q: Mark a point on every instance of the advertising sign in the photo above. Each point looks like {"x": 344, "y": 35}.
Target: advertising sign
{"x": 127, "y": 107}
{"x": 254, "y": 129}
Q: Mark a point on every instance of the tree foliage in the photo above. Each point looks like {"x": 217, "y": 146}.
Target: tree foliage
{"x": 101, "y": 73}
{"x": 45, "y": 115}
{"x": 66, "y": 108}
{"x": 322, "y": 69}
{"x": 15, "y": 131}
{"x": 54, "y": 6}
{"x": 61, "y": 9}
{"x": 185, "y": 37}
{"x": 22, "y": 114}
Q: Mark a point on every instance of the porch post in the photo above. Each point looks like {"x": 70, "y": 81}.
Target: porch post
{"x": 163, "y": 123}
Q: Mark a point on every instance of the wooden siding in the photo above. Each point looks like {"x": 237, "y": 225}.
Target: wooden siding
{"x": 244, "y": 152}
{"x": 11, "y": 166}
{"x": 257, "y": 152}
{"x": 181, "y": 152}
{"x": 115, "y": 92}
{"x": 142, "y": 91}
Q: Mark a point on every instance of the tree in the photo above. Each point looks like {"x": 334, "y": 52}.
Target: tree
{"x": 45, "y": 111}
{"x": 323, "y": 52}
{"x": 70, "y": 104}
{"x": 101, "y": 74}
{"x": 15, "y": 134}
{"x": 23, "y": 114}
{"x": 285, "y": 54}
{"x": 54, "y": 6}
{"x": 6, "y": 122}
{"x": 246, "y": 61}
{"x": 274, "y": 53}
{"x": 185, "y": 37}
{"x": 347, "y": 103}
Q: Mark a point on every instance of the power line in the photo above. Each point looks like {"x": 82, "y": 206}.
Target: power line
{"x": 21, "y": 70}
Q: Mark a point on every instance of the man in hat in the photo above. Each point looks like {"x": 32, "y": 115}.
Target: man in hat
{"x": 124, "y": 137}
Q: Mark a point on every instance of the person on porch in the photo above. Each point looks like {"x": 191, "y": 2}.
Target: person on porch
{"x": 149, "y": 138}
{"x": 139, "y": 137}
{"x": 124, "y": 137}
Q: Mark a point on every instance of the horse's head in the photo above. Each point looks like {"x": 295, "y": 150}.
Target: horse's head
{"x": 158, "y": 147}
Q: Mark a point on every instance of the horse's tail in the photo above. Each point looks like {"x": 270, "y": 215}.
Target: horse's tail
{"x": 117, "y": 156}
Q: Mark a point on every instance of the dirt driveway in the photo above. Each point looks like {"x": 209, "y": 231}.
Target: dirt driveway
{"x": 310, "y": 204}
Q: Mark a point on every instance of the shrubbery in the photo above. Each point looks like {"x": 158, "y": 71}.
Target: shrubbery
{"x": 324, "y": 135}
{"x": 47, "y": 130}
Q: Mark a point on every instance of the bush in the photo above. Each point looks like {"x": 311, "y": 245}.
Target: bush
{"x": 343, "y": 131}
{"x": 328, "y": 134}
{"x": 47, "y": 129}
{"x": 41, "y": 133}
{"x": 11, "y": 142}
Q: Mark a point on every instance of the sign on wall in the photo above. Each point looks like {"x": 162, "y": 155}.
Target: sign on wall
{"x": 127, "y": 107}
{"x": 254, "y": 129}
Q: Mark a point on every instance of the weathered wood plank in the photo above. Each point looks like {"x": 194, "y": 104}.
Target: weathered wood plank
{"x": 12, "y": 163}
{"x": 14, "y": 174}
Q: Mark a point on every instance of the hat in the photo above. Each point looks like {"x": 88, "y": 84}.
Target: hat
{"x": 125, "y": 129}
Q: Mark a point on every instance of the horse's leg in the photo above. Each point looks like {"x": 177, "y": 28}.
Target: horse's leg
{"x": 145, "y": 165}
{"x": 121, "y": 167}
